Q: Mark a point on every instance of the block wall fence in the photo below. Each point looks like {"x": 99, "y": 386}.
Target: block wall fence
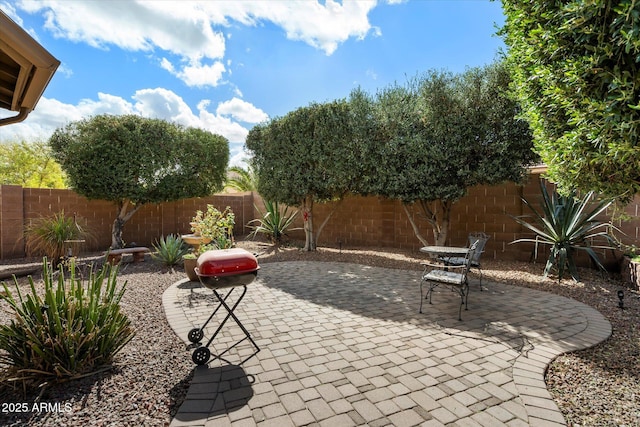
{"x": 358, "y": 221}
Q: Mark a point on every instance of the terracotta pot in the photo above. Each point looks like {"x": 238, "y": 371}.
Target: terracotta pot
{"x": 190, "y": 268}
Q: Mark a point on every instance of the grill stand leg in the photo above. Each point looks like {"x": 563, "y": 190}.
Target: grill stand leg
{"x": 196, "y": 334}
{"x": 199, "y": 355}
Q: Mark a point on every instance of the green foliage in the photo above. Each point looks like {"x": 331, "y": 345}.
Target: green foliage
{"x": 29, "y": 165}
{"x": 566, "y": 224}
{"x": 242, "y": 179}
{"x": 308, "y": 156}
{"x": 73, "y": 329}
{"x": 576, "y": 68}
{"x": 170, "y": 250}
{"x": 47, "y": 235}
{"x": 308, "y": 152}
{"x": 443, "y": 133}
{"x": 275, "y": 222}
{"x": 215, "y": 225}
{"x": 133, "y": 160}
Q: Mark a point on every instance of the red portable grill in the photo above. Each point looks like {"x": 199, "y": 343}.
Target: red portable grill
{"x": 216, "y": 270}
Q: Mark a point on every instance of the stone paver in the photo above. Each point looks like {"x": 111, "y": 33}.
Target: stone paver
{"x": 343, "y": 344}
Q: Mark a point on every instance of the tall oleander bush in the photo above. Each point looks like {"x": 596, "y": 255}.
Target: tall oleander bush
{"x": 70, "y": 330}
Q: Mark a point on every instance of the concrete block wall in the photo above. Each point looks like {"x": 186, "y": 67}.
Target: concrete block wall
{"x": 357, "y": 220}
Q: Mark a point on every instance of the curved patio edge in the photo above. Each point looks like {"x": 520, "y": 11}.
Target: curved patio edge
{"x": 176, "y": 317}
{"x": 530, "y": 368}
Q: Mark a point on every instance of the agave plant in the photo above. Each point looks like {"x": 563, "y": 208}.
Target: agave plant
{"x": 567, "y": 224}
{"x": 275, "y": 222}
{"x": 170, "y": 250}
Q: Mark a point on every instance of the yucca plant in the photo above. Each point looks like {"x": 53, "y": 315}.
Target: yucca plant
{"x": 275, "y": 222}
{"x": 47, "y": 236}
{"x": 73, "y": 329}
{"x": 567, "y": 224}
{"x": 170, "y": 250}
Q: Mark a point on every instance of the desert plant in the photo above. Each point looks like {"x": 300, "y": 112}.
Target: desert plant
{"x": 47, "y": 236}
{"x": 566, "y": 225}
{"x": 275, "y": 222}
{"x": 170, "y": 250}
{"x": 242, "y": 179}
{"x": 215, "y": 225}
{"x": 72, "y": 330}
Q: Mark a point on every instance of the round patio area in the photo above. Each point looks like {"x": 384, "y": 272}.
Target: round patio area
{"x": 344, "y": 345}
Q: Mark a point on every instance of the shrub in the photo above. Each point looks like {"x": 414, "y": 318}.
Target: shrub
{"x": 275, "y": 222}
{"x": 215, "y": 225}
{"x": 170, "y": 250}
{"x": 46, "y": 236}
{"x": 567, "y": 226}
{"x": 73, "y": 330}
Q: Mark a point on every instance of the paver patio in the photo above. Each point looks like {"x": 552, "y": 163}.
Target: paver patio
{"x": 344, "y": 345}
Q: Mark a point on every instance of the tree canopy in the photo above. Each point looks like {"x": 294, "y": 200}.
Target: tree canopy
{"x": 426, "y": 142}
{"x": 133, "y": 160}
{"x": 576, "y": 69}
{"x": 306, "y": 157}
{"x": 30, "y": 165}
{"x": 443, "y": 133}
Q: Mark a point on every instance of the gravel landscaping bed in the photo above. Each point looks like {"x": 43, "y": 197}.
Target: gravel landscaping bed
{"x": 150, "y": 376}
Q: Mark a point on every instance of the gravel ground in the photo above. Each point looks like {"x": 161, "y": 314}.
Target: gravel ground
{"x": 594, "y": 387}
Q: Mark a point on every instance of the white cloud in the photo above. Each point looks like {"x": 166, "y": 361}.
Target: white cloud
{"x": 51, "y": 114}
{"x": 238, "y": 156}
{"x": 241, "y": 110}
{"x": 222, "y": 125}
{"x": 176, "y": 27}
{"x": 196, "y": 74}
{"x": 323, "y": 27}
{"x": 164, "y": 104}
{"x": 193, "y": 30}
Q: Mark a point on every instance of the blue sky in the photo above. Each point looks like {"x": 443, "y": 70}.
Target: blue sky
{"x": 226, "y": 65}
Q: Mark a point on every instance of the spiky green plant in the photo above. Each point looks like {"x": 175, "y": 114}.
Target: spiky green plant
{"x": 72, "y": 329}
{"x": 170, "y": 250}
{"x": 274, "y": 222}
{"x": 47, "y": 236}
{"x": 567, "y": 224}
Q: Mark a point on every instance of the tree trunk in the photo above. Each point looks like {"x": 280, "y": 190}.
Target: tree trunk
{"x": 326, "y": 220}
{"x": 118, "y": 224}
{"x": 416, "y": 230}
{"x": 307, "y": 215}
{"x": 439, "y": 216}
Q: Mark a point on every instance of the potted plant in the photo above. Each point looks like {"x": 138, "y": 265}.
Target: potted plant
{"x": 215, "y": 226}
{"x": 190, "y": 262}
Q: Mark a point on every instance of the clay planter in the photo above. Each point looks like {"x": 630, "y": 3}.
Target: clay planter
{"x": 190, "y": 268}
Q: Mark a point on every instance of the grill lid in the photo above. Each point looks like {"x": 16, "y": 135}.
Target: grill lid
{"x": 226, "y": 262}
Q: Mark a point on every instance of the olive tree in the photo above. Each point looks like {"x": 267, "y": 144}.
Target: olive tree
{"x": 577, "y": 72}
{"x": 443, "y": 133}
{"x": 306, "y": 157}
{"x": 132, "y": 160}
